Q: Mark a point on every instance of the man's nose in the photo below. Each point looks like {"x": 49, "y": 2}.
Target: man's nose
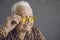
{"x": 27, "y": 21}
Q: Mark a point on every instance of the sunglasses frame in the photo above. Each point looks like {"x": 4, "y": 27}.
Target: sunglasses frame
{"x": 31, "y": 19}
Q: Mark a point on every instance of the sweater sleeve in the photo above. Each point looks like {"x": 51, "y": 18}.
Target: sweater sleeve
{"x": 2, "y": 32}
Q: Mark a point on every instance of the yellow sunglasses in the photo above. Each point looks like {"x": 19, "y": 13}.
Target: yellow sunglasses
{"x": 31, "y": 19}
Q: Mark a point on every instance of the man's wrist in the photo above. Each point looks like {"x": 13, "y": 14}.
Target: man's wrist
{"x": 7, "y": 30}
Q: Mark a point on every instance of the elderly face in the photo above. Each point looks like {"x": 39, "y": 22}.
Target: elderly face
{"x": 25, "y": 23}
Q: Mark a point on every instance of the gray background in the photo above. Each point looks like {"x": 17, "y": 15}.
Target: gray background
{"x": 46, "y": 11}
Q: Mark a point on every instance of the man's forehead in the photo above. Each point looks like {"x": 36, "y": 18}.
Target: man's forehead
{"x": 26, "y": 14}
{"x": 24, "y": 10}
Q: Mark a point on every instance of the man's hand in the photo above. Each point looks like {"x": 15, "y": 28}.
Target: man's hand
{"x": 11, "y": 22}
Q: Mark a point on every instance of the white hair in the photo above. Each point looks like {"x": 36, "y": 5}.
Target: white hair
{"x": 20, "y": 3}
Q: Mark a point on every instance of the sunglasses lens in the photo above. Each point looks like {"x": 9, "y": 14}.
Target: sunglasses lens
{"x": 32, "y": 19}
{"x": 35, "y": 18}
{"x": 23, "y": 20}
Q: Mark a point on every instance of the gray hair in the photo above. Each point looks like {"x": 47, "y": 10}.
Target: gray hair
{"x": 20, "y": 3}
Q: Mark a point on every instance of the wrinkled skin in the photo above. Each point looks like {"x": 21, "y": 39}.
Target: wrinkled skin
{"x": 24, "y": 12}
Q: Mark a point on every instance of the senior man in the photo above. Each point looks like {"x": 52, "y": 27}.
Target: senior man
{"x": 19, "y": 26}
